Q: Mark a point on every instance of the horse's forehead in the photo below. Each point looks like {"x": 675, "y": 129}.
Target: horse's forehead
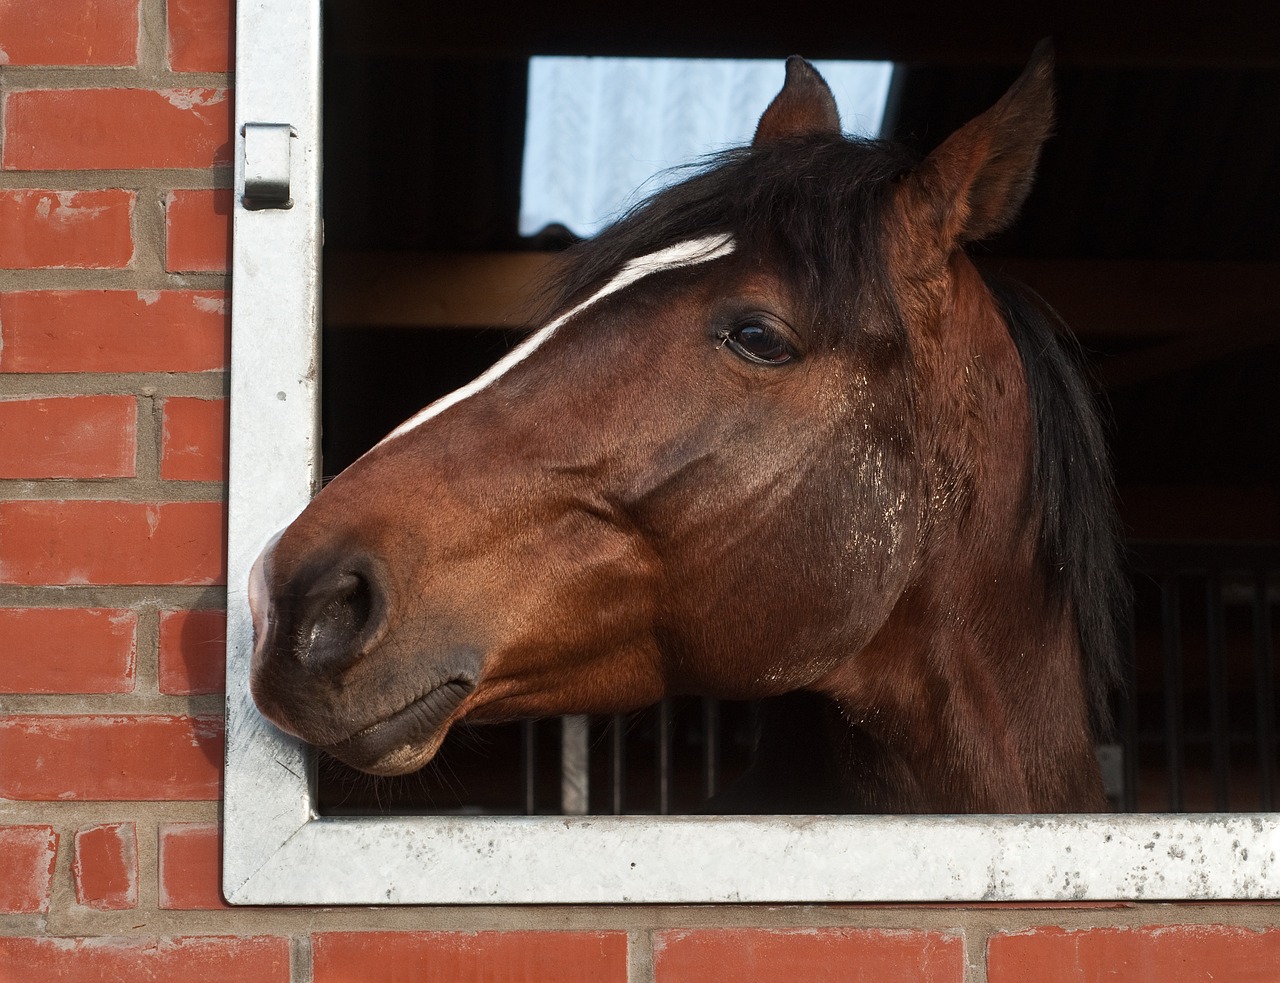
{"x": 688, "y": 252}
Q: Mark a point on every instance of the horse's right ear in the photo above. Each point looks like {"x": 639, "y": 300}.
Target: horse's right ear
{"x": 972, "y": 185}
{"x": 804, "y": 107}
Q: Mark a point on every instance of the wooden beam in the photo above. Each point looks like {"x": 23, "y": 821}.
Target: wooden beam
{"x": 1142, "y": 301}
{"x": 1151, "y": 299}
{"x": 1185, "y": 353}
{"x": 445, "y": 289}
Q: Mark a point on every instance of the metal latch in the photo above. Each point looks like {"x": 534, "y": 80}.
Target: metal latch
{"x": 266, "y": 165}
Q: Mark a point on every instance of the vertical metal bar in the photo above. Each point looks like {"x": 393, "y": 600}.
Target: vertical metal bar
{"x": 664, "y": 758}
{"x": 275, "y": 410}
{"x": 710, "y": 747}
{"x": 1264, "y": 684}
{"x": 574, "y": 765}
{"x": 1216, "y": 652}
{"x": 618, "y": 748}
{"x": 1129, "y": 721}
{"x": 529, "y": 753}
{"x": 1171, "y": 648}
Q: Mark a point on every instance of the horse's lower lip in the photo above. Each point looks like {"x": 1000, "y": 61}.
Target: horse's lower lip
{"x": 381, "y": 747}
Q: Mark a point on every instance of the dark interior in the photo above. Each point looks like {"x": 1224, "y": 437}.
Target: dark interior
{"x": 1153, "y": 228}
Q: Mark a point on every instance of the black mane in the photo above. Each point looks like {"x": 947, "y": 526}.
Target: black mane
{"x": 815, "y": 206}
{"x": 795, "y": 201}
{"x": 1072, "y": 480}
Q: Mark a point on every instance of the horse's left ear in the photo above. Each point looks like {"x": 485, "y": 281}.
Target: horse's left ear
{"x": 804, "y": 107}
{"x": 973, "y": 185}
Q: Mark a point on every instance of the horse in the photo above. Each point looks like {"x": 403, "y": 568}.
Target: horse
{"x": 778, "y": 439}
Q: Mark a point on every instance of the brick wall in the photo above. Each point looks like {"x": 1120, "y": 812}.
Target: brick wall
{"x": 115, "y": 137}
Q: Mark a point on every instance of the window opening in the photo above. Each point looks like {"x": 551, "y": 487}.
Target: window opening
{"x": 281, "y": 848}
{"x": 604, "y": 133}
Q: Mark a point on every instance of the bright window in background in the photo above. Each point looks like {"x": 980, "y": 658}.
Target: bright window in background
{"x": 601, "y": 132}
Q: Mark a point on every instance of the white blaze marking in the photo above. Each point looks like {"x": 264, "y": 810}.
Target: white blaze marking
{"x": 688, "y": 253}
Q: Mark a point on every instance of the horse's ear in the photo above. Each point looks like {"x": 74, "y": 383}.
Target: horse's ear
{"x": 804, "y": 107}
{"x": 973, "y": 185}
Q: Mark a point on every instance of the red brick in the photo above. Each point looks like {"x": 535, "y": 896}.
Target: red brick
{"x": 27, "y": 855}
{"x": 193, "y": 652}
{"x": 1166, "y": 954}
{"x": 106, "y": 867}
{"x": 68, "y": 650}
{"x": 198, "y": 231}
{"x": 68, "y": 437}
{"x": 253, "y": 959}
{"x": 86, "y": 230}
{"x": 201, "y": 35}
{"x": 113, "y": 331}
{"x": 95, "y": 758}
{"x": 194, "y": 443}
{"x": 392, "y": 957}
{"x": 190, "y": 867}
{"x": 821, "y": 955}
{"x": 73, "y": 542}
{"x": 69, "y": 32}
{"x": 73, "y": 129}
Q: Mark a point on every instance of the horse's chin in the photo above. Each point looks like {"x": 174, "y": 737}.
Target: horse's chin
{"x": 408, "y": 738}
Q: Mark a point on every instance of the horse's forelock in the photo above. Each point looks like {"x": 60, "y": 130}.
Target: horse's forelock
{"x": 812, "y": 206}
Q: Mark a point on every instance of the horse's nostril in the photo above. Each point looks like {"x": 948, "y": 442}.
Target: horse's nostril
{"x": 338, "y": 615}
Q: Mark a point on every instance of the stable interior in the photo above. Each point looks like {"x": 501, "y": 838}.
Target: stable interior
{"x": 1151, "y": 230}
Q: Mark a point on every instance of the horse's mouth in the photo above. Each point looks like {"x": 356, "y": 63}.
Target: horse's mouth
{"x": 408, "y": 738}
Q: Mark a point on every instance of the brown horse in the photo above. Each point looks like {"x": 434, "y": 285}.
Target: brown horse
{"x": 780, "y": 437}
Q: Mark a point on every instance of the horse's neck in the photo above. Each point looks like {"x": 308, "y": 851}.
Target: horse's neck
{"x": 974, "y": 686}
{"x": 974, "y": 689}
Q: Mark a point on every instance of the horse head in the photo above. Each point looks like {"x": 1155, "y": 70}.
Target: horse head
{"x": 775, "y": 436}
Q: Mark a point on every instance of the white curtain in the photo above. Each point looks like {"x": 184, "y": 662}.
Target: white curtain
{"x": 600, "y": 132}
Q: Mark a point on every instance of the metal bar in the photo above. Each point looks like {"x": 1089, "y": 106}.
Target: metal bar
{"x": 1171, "y": 649}
{"x": 275, "y": 410}
{"x": 1264, "y": 685}
{"x": 1129, "y": 721}
{"x": 664, "y": 758}
{"x": 710, "y": 747}
{"x": 1216, "y": 652}
{"x": 618, "y": 749}
{"x": 575, "y": 779}
{"x": 529, "y": 753}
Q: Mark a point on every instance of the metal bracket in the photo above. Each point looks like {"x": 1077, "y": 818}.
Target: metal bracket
{"x": 266, "y": 165}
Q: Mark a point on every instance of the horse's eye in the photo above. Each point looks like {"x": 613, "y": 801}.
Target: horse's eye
{"x": 760, "y": 342}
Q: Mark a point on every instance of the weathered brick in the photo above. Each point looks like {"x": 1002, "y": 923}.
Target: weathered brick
{"x": 1164, "y": 954}
{"x": 69, "y": 32}
{"x": 27, "y": 856}
{"x": 190, "y": 867}
{"x": 193, "y": 652}
{"x": 389, "y": 957}
{"x": 114, "y": 331}
{"x": 68, "y": 437}
{"x": 194, "y": 442}
{"x": 819, "y": 955}
{"x": 74, "y": 129}
{"x": 252, "y": 959}
{"x": 198, "y": 231}
{"x": 106, "y": 866}
{"x": 201, "y": 35}
{"x": 68, "y": 650}
{"x": 85, "y": 230}
{"x": 98, "y": 758}
{"x": 75, "y": 542}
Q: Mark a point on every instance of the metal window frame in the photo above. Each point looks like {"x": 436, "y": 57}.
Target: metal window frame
{"x": 277, "y": 850}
